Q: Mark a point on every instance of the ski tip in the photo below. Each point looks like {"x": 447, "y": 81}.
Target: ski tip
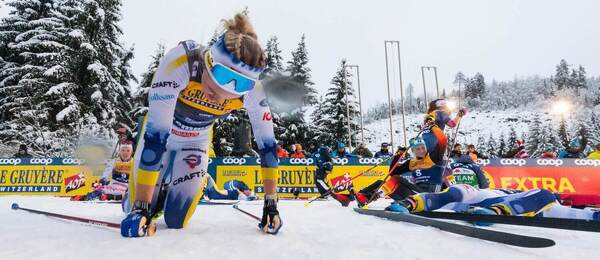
{"x": 306, "y": 204}
{"x": 14, "y": 206}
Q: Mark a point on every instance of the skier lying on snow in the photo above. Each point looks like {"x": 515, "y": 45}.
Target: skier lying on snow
{"x": 194, "y": 86}
{"x": 115, "y": 179}
{"x": 466, "y": 198}
{"x": 233, "y": 190}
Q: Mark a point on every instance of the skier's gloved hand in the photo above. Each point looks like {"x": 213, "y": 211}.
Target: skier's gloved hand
{"x": 462, "y": 112}
{"x": 138, "y": 221}
{"x": 271, "y": 222}
{"x": 104, "y": 181}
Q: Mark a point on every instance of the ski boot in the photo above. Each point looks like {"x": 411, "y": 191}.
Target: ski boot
{"x": 271, "y": 221}
{"x": 483, "y": 211}
{"x": 398, "y": 208}
{"x": 138, "y": 222}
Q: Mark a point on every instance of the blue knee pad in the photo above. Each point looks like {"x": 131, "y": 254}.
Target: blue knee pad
{"x": 154, "y": 147}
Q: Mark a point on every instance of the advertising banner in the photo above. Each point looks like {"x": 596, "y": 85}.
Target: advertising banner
{"x": 44, "y": 176}
{"x": 69, "y": 177}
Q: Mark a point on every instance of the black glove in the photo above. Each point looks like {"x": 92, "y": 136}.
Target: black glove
{"x": 271, "y": 222}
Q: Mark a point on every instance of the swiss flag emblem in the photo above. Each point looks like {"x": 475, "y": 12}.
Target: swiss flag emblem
{"x": 342, "y": 182}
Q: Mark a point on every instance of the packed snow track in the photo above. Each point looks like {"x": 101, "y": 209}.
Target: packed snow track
{"x": 322, "y": 231}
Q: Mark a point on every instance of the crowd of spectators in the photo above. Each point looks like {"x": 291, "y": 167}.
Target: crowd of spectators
{"x": 340, "y": 151}
{"x": 575, "y": 149}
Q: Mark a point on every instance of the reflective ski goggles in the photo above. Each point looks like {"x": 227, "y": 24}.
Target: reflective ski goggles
{"x": 227, "y": 78}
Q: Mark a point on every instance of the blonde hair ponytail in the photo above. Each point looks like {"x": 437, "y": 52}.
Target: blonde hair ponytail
{"x": 241, "y": 40}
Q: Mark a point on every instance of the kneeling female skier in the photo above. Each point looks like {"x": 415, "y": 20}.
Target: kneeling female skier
{"x": 192, "y": 87}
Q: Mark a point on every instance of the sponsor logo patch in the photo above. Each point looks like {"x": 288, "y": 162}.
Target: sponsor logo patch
{"x": 74, "y": 182}
{"x": 165, "y": 84}
{"x": 157, "y": 97}
{"x": 188, "y": 177}
{"x": 184, "y": 133}
{"x": 193, "y": 160}
{"x": 267, "y": 116}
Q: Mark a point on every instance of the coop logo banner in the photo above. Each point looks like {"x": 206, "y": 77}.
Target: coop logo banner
{"x": 44, "y": 161}
{"x": 483, "y": 162}
{"x": 72, "y": 161}
{"x": 370, "y": 160}
{"x": 340, "y": 161}
{"x": 10, "y": 161}
{"x": 587, "y": 162}
{"x": 233, "y": 160}
{"x": 549, "y": 162}
{"x": 303, "y": 161}
{"x": 516, "y": 162}
{"x": 37, "y": 178}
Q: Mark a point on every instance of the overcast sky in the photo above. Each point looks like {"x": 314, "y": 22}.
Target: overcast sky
{"x": 501, "y": 39}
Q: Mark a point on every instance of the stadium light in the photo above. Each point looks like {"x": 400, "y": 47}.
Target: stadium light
{"x": 561, "y": 107}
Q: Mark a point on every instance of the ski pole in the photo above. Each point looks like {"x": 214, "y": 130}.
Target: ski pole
{"x": 16, "y": 206}
{"x": 339, "y": 184}
{"x": 235, "y": 206}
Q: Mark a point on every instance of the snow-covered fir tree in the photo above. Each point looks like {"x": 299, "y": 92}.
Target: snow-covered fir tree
{"x": 69, "y": 52}
{"x": 534, "y": 141}
{"x": 563, "y": 134}
{"x": 492, "y": 147}
{"x": 561, "y": 78}
{"x": 502, "y": 147}
{"x": 511, "y": 143}
{"x": 34, "y": 41}
{"x": 481, "y": 145}
{"x": 291, "y": 127}
{"x": 475, "y": 87}
{"x": 334, "y": 120}
{"x": 141, "y": 94}
{"x": 299, "y": 70}
{"x": 274, "y": 60}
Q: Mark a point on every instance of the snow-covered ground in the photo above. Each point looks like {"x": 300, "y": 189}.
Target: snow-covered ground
{"x": 473, "y": 125}
{"x": 322, "y": 231}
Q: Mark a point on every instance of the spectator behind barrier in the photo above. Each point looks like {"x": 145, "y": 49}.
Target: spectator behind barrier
{"x": 456, "y": 151}
{"x": 362, "y": 151}
{"x": 474, "y": 154}
{"x": 595, "y": 154}
{"x": 22, "y": 153}
{"x": 548, "y": 154}
{"x": 573, "y": 151}
{"x": 298, "y": 153}
{"x": 341, "y": 152}
{"x": 520, "y": 152}
{"x": 384, "y": 152}
{"x": 281, "y": 153}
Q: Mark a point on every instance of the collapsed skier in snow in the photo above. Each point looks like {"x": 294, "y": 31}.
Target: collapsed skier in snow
{"x": 469, "y": 199}
{"x": 194, "y": 86}
{"x": 232, "y": 190}
{"x": 115, "y": 179}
